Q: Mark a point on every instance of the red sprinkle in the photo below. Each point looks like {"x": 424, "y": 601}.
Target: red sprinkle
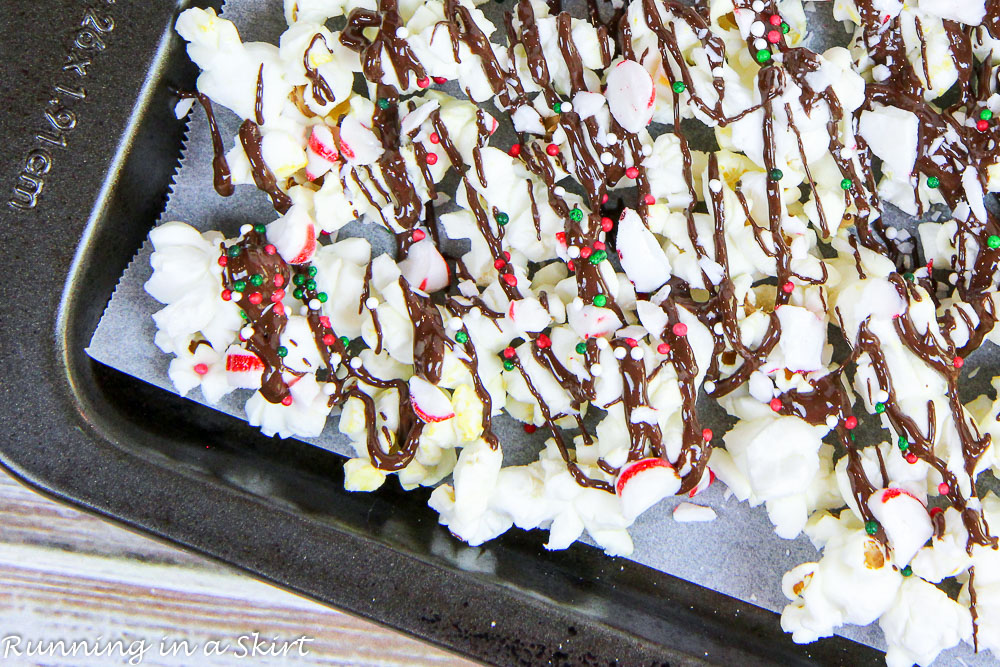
{"x": 286, "y": 401}
{"x": 599, "y": 245}
{"x": 506, "y": 255}
{"x": 788, "y": 287}
{"x": 432, "y": 158}
{"x": 607, "y": 224}
{"x": 227, "y": 295}
{"x": 423, "y": 82}
{"x": 324, "y": 321}
{"x": 223, "y": 261}
{"x": 270, "y": 249}
{"x": 935, "y": 511}
{"x": 604, "y": 198}
{"x": 279, "y": 280}
{"x": 680, "y": 329}
{"x": 943, "y": 488}
{"x": 329, "y": 339}
{"x": 774, "y": 36}
{"x": 201, "y": 369}
{"x": 570, "y": 265}
{"x": 515, "y": 150}
{"x": 632, "y": 172}
{"x": 958, "y": 362}
{"x": 631, "y": 342}
{"x": 851, "y": 422}
{"x": 419, "y": 235}
{"x": 561, "y": 237}
{"x": 439, "y": 80}
{"x": 530, "y": 428}
{"x": 649, "y": 199}
{"x": 911, "y": 458}
{"x": 279, "y": 309}
{"x": 776, "y": 404}
{"x": 543, "y": 341}
{"x": 982, "y": 125}
{"x": 510, "y": 279}
{"x": 552, "y": 150}
{"x": 277, "y": 295}
{"x": 499, "y": 264}
{"x": 707, "y": 434}
{"x": 434, "y": 138}
{"x": 255, "y": 298}
{"x": 509, "y": 352}
{"x": 775, "y": 20}
{"x": 663, "y": 348}
{"x": 586, "y": 252}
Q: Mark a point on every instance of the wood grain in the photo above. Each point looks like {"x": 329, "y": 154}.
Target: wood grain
{"x": 65, "y": 575}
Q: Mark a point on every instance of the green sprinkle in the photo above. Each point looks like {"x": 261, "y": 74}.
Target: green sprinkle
{"x": 846, "y": 184}
{"x": 462, "y": 337}
{"x": 557, "y": 107}
{"x": 383, "y": 103}
{"x": 907, "y": 571}
{"x": 908, "y": 276}
{"x": 322, "y": 297}
{"x": 256, "y": 280}
{"x": 234, "y": 251}
{"x": 854, "y": 436}
{"x": 282, "y": 351}
{"x": 600, "y": 301}
{"x": 345, "y": 341}
{"x": 879, "y": 408}
{"x": 598, "y": 256}
{"x": 776, "y": 174}
{"x": 310, "y": 284}
{"x": 986, "y": 114}
{"x": 502, "y": 218}
{"x": 298, "y": 293}
{"x": 299, "y": 279}
{"x": 313, "y": 271}
{"x": 244, "y": 315}
{"x": 903, "y": 443}
{"x": 576, "y": 215}
{"x": 785, "y": 28}
{"x": 240, "y": 285}
{"x": 508, "y": 365}
{"x": 679, "y": 87}
{"x": 260, "y": 229}
{"x": 871, "y": 527}
{"x": 933, "y": 182}
{"x": 993, "y": 241}
{"x": 581, "y": 348}
{"x": 763, "y": 56}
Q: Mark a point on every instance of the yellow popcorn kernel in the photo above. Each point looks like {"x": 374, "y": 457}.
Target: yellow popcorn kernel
{"x": 361, "y": 475}
{"x": 468, "y": 413}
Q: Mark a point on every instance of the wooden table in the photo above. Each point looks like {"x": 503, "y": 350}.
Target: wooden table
{"x": 67, "y": 575}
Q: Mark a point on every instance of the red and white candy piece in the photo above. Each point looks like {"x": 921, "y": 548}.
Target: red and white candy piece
{"x": 244, "y": 369}
{"x": 429, "y": 402}
{"x": 643, "y": 483}
{"x": 424, "y": 267}
{"x": 294, "y": 235}
{"x": 321, "y": 153}
{"x": 358, "y": 144}
{"x": 643, "y": 260}
{"x": 706, "y": 481}
{"x": 593, "y": 322}
{"x": 528, "y": 315}
{"x": 905, "y": 521}
{"x": 630, "y": 95}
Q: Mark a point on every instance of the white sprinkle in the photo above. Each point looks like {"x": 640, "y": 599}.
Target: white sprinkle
{"x": 607, "y": 158}
{"x": 715, "y": 185}
{"x": 709, "y": 386}
{"x": 565, "y": 107}
{"x": 760, "y": 44}
{"x": 611, "y": 138}
{"x": 620, "y": 353}
{"x": 953, "y": 279}
{"x": 329, "y": 388}
{"x": 831, "y": 421}
{"x": 603, "y": 343}
{"x": 891, "y": 233}
{"x": 356, "y": 363}
{"x": 246, "y": 229}
{"x": 559, "y": 191}
{"x": 371, "y": 303}
{"x": 455, "y": 323}
{"x": 757, "y": 6}
{"x": 246, "y": 332}
{"x": 303, "y": 311}
{"x": 637, "y": 353}
{"x": 757, "y": 28}
{"x": 236, "y": 296}
{"x": 314, "y": 304}
{"x": 718, "y": 328}
{"x": 881, "y": 396}
{"x": 573, "y": 251}
{"x": 596, "y": 370}
{"x": 402, "y": 32}
{"x": 647, "y": 151}
{"x": 717, "y": 72}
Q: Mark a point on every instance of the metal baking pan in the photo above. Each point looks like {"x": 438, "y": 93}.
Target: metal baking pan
{"x": 91, "y": 146}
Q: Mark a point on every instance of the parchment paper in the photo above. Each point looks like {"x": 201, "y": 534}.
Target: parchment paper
{"x": 737, "y": 554}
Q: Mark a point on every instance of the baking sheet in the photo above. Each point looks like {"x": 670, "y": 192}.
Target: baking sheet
{"x": 737, "y": 554}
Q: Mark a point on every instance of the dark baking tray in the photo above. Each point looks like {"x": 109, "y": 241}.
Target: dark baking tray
{"x": 107, "y": 443}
